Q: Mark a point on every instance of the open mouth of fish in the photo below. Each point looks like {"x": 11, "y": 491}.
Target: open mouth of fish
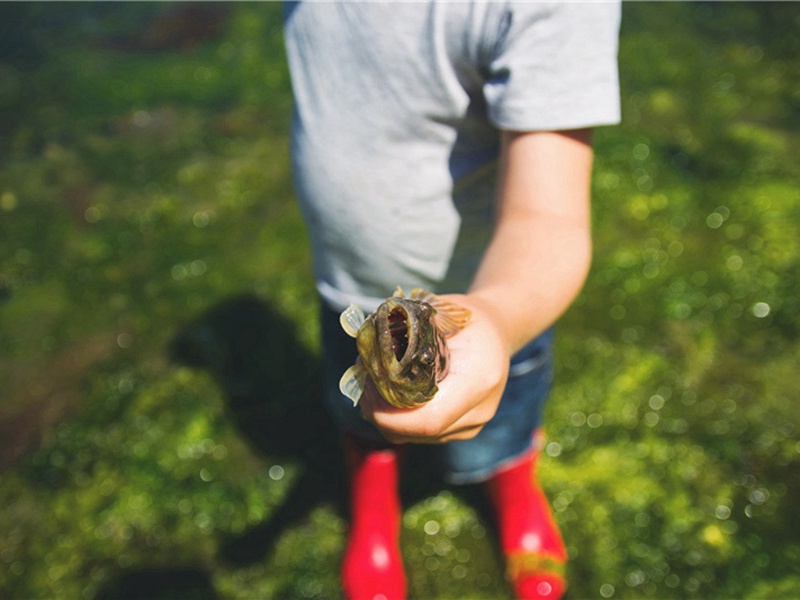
{"x": 398, "y": 330}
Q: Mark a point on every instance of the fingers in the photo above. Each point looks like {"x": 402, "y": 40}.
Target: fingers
{"x": 467, "y": 398}
{"x": 461, "y": 435}
{"x": 426, "y": 424}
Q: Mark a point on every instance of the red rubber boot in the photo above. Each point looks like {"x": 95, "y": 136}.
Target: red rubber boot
{"x": 529, "y": 536}
{"x": 372, "y": 568}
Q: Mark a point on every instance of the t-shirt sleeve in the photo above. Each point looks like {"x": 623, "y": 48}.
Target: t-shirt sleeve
{"x": 554, "y": 66}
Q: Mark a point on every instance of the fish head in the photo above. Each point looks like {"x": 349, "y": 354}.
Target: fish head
{"x": 403, "y": 351}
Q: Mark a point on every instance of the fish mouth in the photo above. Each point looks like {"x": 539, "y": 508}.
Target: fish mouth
{"x": 397, "y": 321}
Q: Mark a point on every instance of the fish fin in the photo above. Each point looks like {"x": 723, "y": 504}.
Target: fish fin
{"x": 450, "y": 317}
{"x": 399, "y": 293}
{"x": 423, "y": 295}
{"x": 351, "y": 319}
{"x": 352, "y": 382}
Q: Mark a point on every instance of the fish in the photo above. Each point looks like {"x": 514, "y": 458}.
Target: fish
{"x": 402, "y": 346}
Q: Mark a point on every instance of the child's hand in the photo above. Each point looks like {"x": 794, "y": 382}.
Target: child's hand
{"x": 468, "y": 396}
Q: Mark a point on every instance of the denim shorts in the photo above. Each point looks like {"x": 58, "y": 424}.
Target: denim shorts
{"x": 505, "y": 438}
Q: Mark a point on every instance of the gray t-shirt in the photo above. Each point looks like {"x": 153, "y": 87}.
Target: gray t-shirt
{"x": 397, "y": 113}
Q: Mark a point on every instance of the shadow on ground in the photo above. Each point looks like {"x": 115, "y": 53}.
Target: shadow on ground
{"x": 271, "y": 383}
{"x": 161, "y": 584}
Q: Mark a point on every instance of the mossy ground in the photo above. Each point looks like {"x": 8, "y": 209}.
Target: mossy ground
{"x": 161, "y": 435}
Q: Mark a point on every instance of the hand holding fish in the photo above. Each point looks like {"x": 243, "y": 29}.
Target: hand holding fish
{"x": 402, "y": 346}
{"x": 466, "y": 398}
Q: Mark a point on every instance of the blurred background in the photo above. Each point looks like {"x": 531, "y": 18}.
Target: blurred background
{"x": 160, "y": 434}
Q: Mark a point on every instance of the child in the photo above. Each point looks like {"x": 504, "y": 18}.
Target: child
{"x": 447, "y": 146}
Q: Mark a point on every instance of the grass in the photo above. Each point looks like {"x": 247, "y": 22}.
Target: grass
{"x": 159, "y": 419}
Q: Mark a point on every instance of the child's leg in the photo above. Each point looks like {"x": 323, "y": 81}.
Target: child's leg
{"x": 373, "y": 567}
{"x": 529, "y": 537}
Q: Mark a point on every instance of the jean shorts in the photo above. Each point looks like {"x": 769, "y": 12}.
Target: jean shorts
{"x": 508, "y": 436}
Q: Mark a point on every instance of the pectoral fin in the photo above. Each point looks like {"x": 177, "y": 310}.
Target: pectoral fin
{"x": 352, "y": 382}
{"x": 450, "y": 318}
{"x": 352, "y": 319}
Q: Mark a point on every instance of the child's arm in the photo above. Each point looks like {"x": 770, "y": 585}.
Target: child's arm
{"x": 539, "y": 256}
{"x": 534, "y": 267}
